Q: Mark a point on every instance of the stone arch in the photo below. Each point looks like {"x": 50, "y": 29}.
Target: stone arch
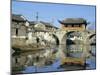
{"x": 65, "y": 36}
{"x": 72, "y": 46}
{"x": 56, "y": 38}
{"x": 70, "y": 32}
{"x": 90, "y": 37}
{"x": 63, "y": 40}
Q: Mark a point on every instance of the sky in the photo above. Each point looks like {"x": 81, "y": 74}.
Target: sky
{"x": 50, "y": 12}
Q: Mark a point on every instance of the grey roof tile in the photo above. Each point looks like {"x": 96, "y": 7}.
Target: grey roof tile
{"x": 18, "y": 18}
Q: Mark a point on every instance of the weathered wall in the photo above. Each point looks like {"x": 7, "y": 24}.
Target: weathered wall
{"x": 18, "y": 42}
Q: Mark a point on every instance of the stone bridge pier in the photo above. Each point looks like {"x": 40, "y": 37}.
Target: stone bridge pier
{"x": 60, "y": 35}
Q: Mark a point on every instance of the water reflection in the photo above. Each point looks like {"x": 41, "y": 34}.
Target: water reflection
{"x": 49, "y": 59}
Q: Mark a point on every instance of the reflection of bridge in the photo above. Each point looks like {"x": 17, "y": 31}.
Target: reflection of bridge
{"x": 86, "y": 37}
{"x": 61, "y": 36}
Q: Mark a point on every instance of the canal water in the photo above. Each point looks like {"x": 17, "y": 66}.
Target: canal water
{"x": 48, "y": 60}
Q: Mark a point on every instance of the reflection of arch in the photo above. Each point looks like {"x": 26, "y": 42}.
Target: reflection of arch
{"x": 69, "y": 42}
{"x": 56, "y": 38}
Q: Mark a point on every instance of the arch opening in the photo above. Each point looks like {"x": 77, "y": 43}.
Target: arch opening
{"x": 72, "y": 37}
{"x": 92, "y": 39}
{"x": 92, "y": 36}
{"x": 56, "y": 39}
{"x": 73, "y": 41}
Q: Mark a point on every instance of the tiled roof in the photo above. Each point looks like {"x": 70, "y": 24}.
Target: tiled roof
{"x": 18, "y": 18}
{"x": 73, "y": 21}
{"x": 32, "y": 22}
{"x": 45, "y": 23}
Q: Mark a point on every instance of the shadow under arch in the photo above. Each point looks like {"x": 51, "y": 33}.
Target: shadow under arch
{"x": 56, "y": 38}
{"x": 90, "y": 37}
{"x": 65, "y": 37}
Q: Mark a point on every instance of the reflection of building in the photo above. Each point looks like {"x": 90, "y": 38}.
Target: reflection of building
{"x": 77, "y": 24}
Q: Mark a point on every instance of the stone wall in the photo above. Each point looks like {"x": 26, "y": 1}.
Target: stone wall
{"x": 18, "y": 42}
